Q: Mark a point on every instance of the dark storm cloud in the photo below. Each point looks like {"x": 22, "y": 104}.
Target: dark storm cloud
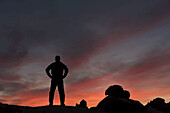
{"x": 69, "y": 28}
{"x": 12, "y": 49}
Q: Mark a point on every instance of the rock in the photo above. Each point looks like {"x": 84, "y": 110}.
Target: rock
{"x": 158, "y": 104}
{"x": 83, "y": 104}
{"x": 115, "y": 90}
{"x": 126, "y": 94}
{"x": 120, "y": 105}
{"x": 118, "y": 101}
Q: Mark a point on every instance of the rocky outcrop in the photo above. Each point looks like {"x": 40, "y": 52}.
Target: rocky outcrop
{"x": 159, "y": 104}
{"x": 83, "y": 104}
{"x": 118, "y": 101}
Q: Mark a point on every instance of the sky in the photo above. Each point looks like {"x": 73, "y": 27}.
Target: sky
{"x": 103, "y": 43}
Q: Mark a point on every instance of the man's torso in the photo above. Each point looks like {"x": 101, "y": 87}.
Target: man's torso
{"x": 57, "y": 69}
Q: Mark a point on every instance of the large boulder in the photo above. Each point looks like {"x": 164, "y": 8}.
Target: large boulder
{"x": 118, "y": 101}
{"x": 120, "y": 105}
{"x": 115, "y": 90}
{"x": 158, "y": 104}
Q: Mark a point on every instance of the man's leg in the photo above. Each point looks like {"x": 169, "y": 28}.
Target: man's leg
{"x": 61, "y": 92}
{"x": 52, "y": 90}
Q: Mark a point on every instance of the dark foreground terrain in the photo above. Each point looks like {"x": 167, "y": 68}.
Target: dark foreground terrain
{"x": 5, "y": 108}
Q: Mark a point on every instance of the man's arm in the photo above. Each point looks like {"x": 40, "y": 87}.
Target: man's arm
{"x": 65, "y": 71}
{"x": 48, "y": 71}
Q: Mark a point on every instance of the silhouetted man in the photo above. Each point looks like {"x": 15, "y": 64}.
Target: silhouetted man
{"x": 57, "y": 77}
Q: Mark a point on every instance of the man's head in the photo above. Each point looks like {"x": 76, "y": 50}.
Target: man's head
{"x": 57, "y": 58}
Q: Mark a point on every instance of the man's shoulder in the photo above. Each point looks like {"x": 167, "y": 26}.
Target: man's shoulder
{"x": 52, "y": 64}
{"x": 61, "y": 63}
{"x": 57, "y": 63}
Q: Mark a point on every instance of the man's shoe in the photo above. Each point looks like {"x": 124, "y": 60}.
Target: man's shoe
{"x": 50, "y": 104}
{"x": 62, "y": 104}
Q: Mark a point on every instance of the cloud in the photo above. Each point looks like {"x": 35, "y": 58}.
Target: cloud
{"x": 12, "y": 50}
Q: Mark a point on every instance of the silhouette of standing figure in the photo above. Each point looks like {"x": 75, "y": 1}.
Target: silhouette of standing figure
{"x": 55, "y": 72}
